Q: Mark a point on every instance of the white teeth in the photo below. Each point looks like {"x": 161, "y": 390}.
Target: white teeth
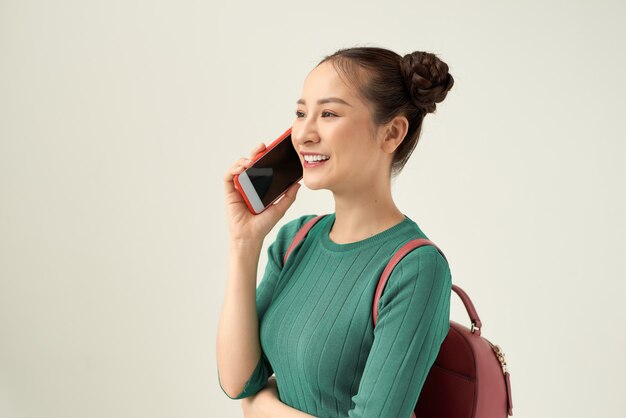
{"x": 313, "y": 158}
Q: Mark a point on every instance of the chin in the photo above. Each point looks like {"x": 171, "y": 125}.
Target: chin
{"x": 313, "y": 184}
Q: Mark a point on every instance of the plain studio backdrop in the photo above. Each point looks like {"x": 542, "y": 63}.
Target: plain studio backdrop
{"x": 118, "y": 120}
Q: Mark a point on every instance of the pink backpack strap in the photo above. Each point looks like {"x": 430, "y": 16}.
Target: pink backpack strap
{"x": 399, "y": 255}
{"x": 300, "y": 235}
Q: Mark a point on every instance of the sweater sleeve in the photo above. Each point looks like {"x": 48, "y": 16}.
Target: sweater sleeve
{"x": 413, "y": 321}
{"x": 264, "y": 295}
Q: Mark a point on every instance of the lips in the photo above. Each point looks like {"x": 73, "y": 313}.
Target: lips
{"x": 314, "y": 160}
{"x": 311, "y": 158}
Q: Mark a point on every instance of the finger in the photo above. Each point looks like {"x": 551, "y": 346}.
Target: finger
{"x": 240, "y": 165}
{"x": 257, "y": 150}
{"x": 287, "y": 200}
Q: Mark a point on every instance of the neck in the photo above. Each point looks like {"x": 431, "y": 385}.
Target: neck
{"x": 362, "y": 214}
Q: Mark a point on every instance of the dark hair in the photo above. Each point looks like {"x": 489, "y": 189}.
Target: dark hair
{"x": 395, "y": 85}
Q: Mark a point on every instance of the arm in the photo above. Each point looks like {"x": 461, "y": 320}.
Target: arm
{"x": 267, "y": 404}
{"x": 242, "y": 368}
{"x": 413, "y": 321}
{"x": 261, "y": 370}
{"x": 238, "y": 349}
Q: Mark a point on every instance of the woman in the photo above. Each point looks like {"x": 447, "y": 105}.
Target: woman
{"x": 310, "y": 320}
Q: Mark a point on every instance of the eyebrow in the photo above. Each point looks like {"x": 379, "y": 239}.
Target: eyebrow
{"x": 327, "y": 100}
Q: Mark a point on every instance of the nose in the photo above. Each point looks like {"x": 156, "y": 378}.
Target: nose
{"x": 305, "y": 132}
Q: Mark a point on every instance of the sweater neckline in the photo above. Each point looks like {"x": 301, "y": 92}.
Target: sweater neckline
{"x": 374, "y": 239}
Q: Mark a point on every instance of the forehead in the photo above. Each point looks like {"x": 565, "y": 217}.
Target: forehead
{"x": 325, "y": 81}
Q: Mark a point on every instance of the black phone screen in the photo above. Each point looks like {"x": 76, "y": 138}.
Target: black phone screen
{"x": 274, "y": 172}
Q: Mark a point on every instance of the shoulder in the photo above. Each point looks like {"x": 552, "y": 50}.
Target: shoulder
{"x": 423, "y": 257}
{"x": 423, "y": 271}
{"x": 291, "y": 228}
{"x": 425, "y": 260}
{"x": 285, "y": 235}
{"x": 424, "y": 254}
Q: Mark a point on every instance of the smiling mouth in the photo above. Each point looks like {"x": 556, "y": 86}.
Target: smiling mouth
{"x": 315, "y": 158}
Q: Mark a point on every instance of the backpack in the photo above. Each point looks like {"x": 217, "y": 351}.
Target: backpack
{"x": 469, "y": 378}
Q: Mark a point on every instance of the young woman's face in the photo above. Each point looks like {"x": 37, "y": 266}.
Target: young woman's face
{"x": 335, "y": 136}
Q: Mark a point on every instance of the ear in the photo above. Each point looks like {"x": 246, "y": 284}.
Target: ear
{"x": 394, "y": 133}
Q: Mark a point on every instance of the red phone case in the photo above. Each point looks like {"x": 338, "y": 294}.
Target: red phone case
{"x": 255, "y": 159}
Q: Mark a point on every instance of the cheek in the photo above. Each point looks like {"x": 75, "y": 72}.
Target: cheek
{"x": 368, "y": 157}
{"x": 363, "y": 145}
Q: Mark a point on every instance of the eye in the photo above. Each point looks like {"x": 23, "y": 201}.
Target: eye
{"x": 299, "y": 114}
{"x": 326, "y": 114}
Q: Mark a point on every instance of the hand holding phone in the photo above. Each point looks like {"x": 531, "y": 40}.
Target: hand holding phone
{"x": 242, "y": 221}
{"x": 270, "y": 174}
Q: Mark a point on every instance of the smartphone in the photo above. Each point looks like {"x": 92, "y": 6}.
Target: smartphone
{"x": 272, "y": 172}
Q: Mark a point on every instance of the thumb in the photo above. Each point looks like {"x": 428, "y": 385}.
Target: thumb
{"x": 287, "y": 200}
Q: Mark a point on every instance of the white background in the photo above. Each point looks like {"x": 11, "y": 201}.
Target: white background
{"x": 118, "y": 120}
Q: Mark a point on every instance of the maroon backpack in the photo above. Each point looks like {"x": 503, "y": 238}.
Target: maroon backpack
{"x": 469, "y": 378}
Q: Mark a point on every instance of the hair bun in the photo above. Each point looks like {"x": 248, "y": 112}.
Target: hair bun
{"x": 426, "y": 78}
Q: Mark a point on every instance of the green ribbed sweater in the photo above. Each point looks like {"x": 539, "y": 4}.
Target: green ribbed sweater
{"x": 316, "y": 330}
